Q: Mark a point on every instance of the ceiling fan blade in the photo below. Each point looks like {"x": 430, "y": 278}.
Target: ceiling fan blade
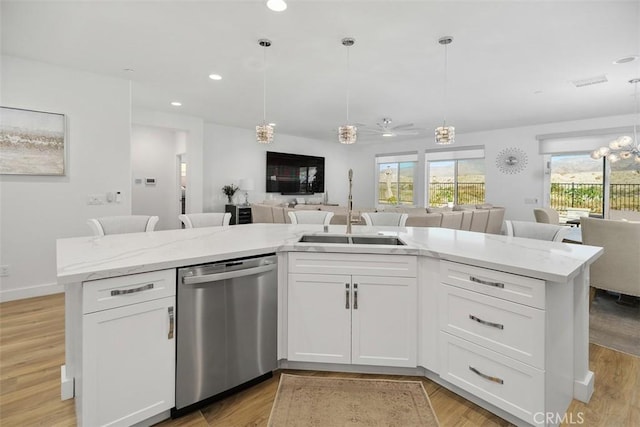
{"x": 407, "y": 125}
{"x": 369, "y": 131}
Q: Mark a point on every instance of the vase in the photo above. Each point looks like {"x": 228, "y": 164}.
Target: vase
{"x": 230, "y": 199}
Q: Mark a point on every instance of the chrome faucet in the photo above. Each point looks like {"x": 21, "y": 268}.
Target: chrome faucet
{"x": 350, "y": 202}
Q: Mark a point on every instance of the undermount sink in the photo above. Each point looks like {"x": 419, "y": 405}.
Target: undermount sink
{"x": 377, "y": 240}
{"x": 355, "y": 240}
{"x": 320, "y": 238}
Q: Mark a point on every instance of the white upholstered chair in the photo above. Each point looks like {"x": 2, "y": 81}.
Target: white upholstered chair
{"x": 122, "y": 224}
{"x": 536, "y": 230}
{"x": 546, "y": 216}
{"x": 197, "y": 220}
{"x": 310, "y": 217}
{"x": 385, "y": 218}
{"x": 618, "y": 269}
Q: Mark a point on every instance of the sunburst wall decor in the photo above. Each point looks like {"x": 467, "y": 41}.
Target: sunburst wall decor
{"x": 511, "y": 160}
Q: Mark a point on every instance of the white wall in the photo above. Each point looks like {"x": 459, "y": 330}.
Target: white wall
{"x": 191, "y": 138}
{"x": 231, "y": 154}
{"x": 509, "y": 191}
{"x": 153, "y": 155}
{"x": 36, "y": 210}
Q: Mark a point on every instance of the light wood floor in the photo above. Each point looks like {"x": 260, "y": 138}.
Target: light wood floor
{"x": 32, "y": 350}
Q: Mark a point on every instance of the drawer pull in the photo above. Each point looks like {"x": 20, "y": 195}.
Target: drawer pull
{"x": 171, "y": 323}
{"x": 486, "y": 377}
{"x": 132, "y": 290}
{"x": 484, "y": 322}
{"x": 346, "y": 292}
{"x": 484, "y": 282}
{"x": 355, "y": 296}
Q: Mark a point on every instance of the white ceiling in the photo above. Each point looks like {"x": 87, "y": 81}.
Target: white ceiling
{"x": 511, "y": 62}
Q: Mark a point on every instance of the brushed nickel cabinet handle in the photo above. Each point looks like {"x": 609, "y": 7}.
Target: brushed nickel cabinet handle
{"x": 355, "y": 296}
{"x": 486, "y": 377}
{"x": 484, "y": 322}
{"x": 132, "y": 290}
{"x": 484, "y": 282}
{"x": 171, "y": 323}
{"x": 346, "y": 292}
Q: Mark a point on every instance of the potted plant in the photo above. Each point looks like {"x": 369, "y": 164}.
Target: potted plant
{"x": 229, "y": 191}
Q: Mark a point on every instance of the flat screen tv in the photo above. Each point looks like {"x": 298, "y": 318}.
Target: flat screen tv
{"x": 294, "y": 173}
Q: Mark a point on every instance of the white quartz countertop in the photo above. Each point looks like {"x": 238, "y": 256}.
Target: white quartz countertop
{"x": 89, "y": 258}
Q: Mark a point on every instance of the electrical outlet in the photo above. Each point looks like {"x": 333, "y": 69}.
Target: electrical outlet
{"x": 95, "y": 199}
{"x": 4, "y": 270}
{"x": 531, "y": 201}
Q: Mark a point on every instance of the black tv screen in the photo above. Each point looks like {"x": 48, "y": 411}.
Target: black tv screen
{"x": 294, "y": 173}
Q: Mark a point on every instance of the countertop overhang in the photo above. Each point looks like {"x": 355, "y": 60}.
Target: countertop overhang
{"x": 89, "y": 258}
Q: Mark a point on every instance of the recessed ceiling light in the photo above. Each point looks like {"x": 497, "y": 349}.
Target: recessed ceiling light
{"x": 387, "y": 134}
{"x": 626, "y": 59}
{"x": 215, "y": 76}
{"x": 276, "y": 5}
{"x": 176, "y": 104}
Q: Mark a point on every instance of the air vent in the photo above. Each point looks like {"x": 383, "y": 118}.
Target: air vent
{"x": 590, "y": 81}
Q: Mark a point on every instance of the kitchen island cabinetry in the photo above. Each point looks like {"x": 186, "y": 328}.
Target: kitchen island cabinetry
{"x": 515, "y": 310}
{"x": 362, "y": 319}
{"x": 503, "y": 338}
{"x": 128, "y": 349}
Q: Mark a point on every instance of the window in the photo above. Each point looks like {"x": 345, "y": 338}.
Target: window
{"x": 454, "y": 179}
{"x": 396, "y": 176}
{"x": 577, "y": 185}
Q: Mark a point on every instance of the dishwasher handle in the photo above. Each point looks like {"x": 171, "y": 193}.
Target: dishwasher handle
{"x": 228, "y": 275}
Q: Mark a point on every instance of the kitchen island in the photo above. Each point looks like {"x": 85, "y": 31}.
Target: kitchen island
{"x": 541, "y": 287}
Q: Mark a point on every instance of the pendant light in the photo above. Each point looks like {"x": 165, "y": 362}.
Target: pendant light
{"x": 264, "y": 132}
{"x": 445, "y": 134}
{"x": 624, "y": 147}
{"x": 347, "y": 134}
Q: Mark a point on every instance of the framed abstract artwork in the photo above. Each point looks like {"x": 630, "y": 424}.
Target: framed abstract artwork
{"x": 32, "y": 142}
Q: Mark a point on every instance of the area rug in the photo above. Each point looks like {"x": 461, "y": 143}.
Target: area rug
{"x": 304, "y": 401}
{"x": 614, "y": 325}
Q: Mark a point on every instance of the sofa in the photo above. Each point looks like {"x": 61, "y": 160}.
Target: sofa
{"x": 618, "y": 269}
{"x": 483, "y": 218}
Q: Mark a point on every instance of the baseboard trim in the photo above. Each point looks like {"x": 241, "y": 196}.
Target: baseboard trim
{"x": 583, "y": 390}
{"x": 67, "y": 390}
{"x": 30, "y": 292}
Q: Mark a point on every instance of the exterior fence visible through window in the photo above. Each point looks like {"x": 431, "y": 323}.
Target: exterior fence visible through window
{"x": 468, "y": 193}
{"x": 590, "y": 196}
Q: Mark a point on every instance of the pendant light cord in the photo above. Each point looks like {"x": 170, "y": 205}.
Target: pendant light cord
{"x": 445, "y": 85}
{"x": 264, "y": 85}
{"x": 348, "y": 82}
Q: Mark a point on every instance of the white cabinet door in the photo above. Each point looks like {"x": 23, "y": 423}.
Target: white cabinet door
{"x": 385, "y": 321}
{"x": 319, "y": 320}
{"x": 128, "y": 363}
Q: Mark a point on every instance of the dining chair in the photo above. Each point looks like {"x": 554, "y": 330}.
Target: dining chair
{"x": 198, "y": 220}
{"x": 122, "y": 224}
{"x": 546, "y": 216}
{"x": 536, "y": 230}
{"x": 385, "y": 218}
{"x": 310, "y": 217}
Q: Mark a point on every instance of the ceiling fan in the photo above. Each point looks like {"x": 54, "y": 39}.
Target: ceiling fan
{"x": 385, "y": 129}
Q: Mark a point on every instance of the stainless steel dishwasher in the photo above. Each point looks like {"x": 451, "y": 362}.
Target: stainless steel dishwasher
{"x": 226, "y": 328}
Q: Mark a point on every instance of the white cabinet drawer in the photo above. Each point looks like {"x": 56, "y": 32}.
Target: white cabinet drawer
{"x": 520, "y": 289}
{"x": 364, "y": 264}
{"x": 119, "y": 291}
{"x": 506, "y": 383}
{"x": 514, "y": 330}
